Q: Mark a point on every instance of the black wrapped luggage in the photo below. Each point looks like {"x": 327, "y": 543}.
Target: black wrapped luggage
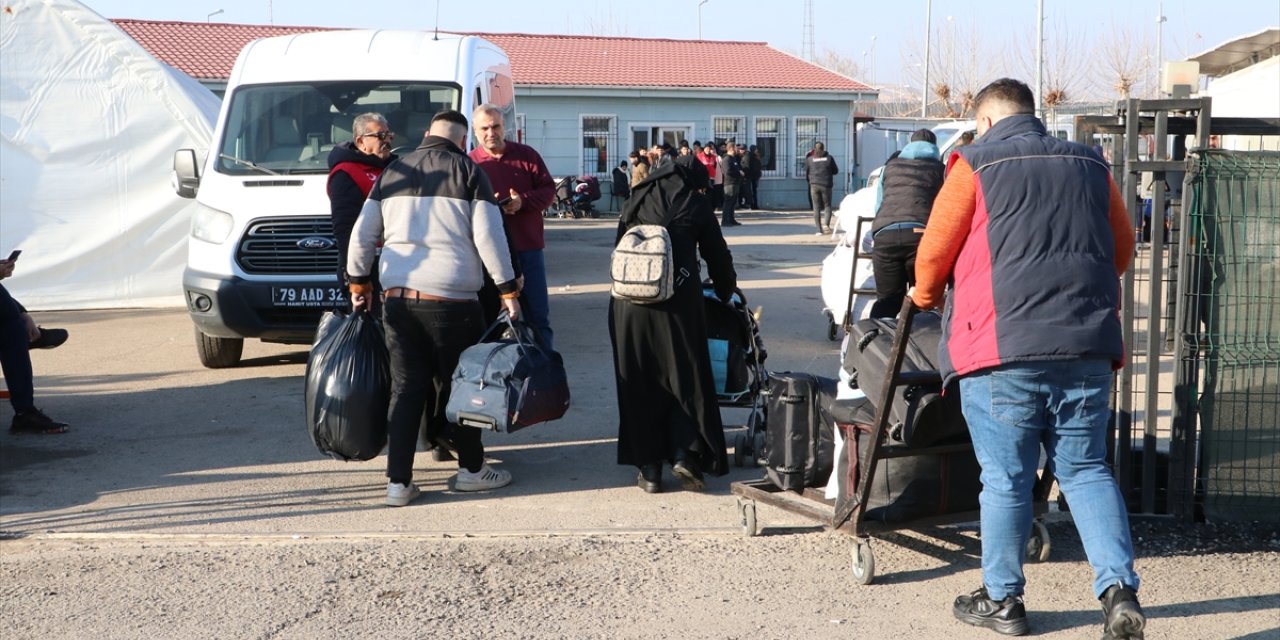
{"x": 799, "y": 432}
{"x": 921, "y": 415}
{"x": 907, "y": 488}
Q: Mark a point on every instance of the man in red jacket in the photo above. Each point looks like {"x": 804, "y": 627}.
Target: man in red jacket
{"x": 523, "y": 187}
{"x": 353, "y": 168}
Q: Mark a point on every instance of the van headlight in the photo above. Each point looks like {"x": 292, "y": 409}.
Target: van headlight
{"x": 211, "y": 225}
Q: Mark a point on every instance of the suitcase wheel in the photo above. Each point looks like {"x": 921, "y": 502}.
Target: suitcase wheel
{"x": 1038, "y": 544}
{"x": 747, "y": 514}
{"x": 863, "y": 562}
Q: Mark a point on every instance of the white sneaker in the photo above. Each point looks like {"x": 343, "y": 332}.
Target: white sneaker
{"x": 399, "y": 495}
{"x": 819, "y": 234}
{"x": 483, "y": 480}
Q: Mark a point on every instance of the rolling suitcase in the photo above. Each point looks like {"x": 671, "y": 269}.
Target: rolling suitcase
{"x": 799, "y": 432}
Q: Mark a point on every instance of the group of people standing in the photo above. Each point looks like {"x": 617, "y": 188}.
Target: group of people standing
{"x": 1028, "y": 232}
{"x": 733, "y": 173}
{"x": 461, "y": 239}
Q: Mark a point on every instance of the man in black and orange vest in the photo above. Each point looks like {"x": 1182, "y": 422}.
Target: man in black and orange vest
{"x": 353, "y": 168}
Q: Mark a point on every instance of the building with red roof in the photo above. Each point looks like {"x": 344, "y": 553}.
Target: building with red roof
{"x": 586, "y": 101}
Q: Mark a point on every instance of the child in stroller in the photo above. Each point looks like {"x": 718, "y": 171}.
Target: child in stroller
{"x": 737, "y": 362}
{"x": 575, "y": 198}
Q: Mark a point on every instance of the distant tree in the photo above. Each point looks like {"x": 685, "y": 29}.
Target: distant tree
{"x": 1125, "y": 58}
{"x": 839, "y": 63}
{"x": 961, "y": 61}
{"x": 595, "y": 23}
{"x": 1066, "y": 64}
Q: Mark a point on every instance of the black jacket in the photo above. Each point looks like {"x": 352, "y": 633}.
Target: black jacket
{"x": 910, "y": 186}
{"x": 345, "y": 196}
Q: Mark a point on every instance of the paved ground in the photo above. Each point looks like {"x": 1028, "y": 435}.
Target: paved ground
{"x": 190, "y": 503}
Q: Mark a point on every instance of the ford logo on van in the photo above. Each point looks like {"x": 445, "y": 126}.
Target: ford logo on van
{"x": 316, "y": 243}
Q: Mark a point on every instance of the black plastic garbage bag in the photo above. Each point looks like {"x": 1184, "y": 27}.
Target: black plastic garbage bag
{"x": 348, "y": 387}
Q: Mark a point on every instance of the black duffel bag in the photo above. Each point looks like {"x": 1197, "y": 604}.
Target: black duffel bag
{"x": 921, "y": 415}
{"x": 348, "y": 387}
{"x": 906, "y": 488}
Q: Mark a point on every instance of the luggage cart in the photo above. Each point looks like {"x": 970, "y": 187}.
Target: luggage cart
{"x": 850, "y": 520}
{"x": 846, "y": 315}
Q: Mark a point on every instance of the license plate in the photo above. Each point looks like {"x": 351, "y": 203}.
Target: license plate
{"x": 322, "y": 297}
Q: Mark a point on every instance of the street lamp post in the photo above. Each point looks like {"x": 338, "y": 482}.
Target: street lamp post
{"x": 924, "y": 92}
{"x": 700, "y": 18}
{"x": 209, "y": 18}
{"x": 1160, "y": 20}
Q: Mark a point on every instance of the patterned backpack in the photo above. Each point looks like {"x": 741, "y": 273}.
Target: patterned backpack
{"x": 642, "y": 269}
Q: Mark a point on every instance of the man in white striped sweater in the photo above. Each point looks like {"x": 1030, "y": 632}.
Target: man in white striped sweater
{"x": 440, "y": 228}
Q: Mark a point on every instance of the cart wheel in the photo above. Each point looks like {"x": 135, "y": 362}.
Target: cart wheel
{"x": 1038, "y": 544}
{"x": 747, "y": 514}
{"x": 831, "y": 330}
{"x": 864, "y": 562}
{"x": 740, "y": 451}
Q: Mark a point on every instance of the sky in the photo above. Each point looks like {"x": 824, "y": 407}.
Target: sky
{"x": 887, "y": 34}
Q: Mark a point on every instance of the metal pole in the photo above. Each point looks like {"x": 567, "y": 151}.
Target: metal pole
{"x": 873, "y": 60}
{"x": 1040, "y": 59}
{"x": 924, "y": 92}
{"x": 700, "y": 18}
{"x": 1160, "y": 20}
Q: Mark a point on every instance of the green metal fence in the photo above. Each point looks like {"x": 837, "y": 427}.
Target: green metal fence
{"x": 1228, "y": 374}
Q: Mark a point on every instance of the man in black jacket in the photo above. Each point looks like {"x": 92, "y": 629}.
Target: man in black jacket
{"x": 907, "y": 188}
{"x": 820, "y": 170}
{"x": 353, "y": 168}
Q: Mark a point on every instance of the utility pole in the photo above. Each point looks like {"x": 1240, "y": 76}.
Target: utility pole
{"x": 1160, "y": 20}
{"x": 1040, "y": 59}
{"x": 928, "y": 28}
{"x": 807, "y": 46}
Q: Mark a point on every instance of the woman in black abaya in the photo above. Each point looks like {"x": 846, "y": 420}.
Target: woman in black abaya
{"x": 666, "y": 392}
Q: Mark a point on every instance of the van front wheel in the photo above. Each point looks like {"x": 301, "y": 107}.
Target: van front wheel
{"x": 218, "y": 353}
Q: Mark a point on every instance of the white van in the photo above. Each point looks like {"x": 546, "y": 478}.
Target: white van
{"x": 262, "y": 260}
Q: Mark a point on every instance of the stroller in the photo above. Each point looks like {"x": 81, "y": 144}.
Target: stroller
{"x": 737, "y": 362}
{"x": 575, "y": 198}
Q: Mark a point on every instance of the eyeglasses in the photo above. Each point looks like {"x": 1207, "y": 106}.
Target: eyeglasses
{"x": 381, "y": 135}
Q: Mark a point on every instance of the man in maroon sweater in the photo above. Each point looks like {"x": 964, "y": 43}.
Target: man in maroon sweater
{"x": 523, "y": 187}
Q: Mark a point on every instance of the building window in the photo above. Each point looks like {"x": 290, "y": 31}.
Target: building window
{"x": 769, "y": 131}
{"x": 808, "y": 131}
{"x": 519, "y": 132}
{"x": 726, "y": 128}
{"x": 598, "y": 153}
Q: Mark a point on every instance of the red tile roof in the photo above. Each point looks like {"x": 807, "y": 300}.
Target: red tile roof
{"x": 208, "y": 51}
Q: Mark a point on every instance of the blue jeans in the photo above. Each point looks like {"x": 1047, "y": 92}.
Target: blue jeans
{"x": 1012, "y": 411}
{"x": 535, "y": 302}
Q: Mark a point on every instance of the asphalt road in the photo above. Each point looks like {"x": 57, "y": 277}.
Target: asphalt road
{"x": 190, "y": 503}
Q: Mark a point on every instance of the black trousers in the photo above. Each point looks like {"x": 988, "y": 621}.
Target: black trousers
{"x": 425, "y": 339}
{"x": 894, "y": 264}
{"x": 15, "y": 354}
{"x": 729, "y": 203}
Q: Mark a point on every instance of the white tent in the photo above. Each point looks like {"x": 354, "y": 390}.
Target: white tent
{"x": 89, "y": 122}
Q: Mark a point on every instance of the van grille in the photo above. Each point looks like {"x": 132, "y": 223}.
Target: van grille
{"x": 270, "y": 247}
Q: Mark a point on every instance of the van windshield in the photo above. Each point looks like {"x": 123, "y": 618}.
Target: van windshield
{"x": 290, "y": 128}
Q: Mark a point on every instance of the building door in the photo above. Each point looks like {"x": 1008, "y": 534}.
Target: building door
{"x": 646, "y": 135}
{"x": 673, "y": 136}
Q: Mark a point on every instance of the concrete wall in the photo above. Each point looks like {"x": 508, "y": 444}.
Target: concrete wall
{"x": 553, "y": 125}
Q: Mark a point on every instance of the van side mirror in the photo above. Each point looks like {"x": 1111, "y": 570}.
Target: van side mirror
{"x": 186, "y": 173}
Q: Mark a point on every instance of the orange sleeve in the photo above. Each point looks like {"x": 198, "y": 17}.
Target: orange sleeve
{"x": 1121, "y": 228}
{"x": 948, "y": 228}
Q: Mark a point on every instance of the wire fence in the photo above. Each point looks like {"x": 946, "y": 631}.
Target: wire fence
{"x": 1230, "y": 319}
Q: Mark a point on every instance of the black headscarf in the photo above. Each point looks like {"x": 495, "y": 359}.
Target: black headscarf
{"x": 695, "y": 173}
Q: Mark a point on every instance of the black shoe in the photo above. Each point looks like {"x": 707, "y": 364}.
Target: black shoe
{"x": 1122, "y": 615}
{"x": 49, "y": 338}
{"x": 650, "y": 478}
{"x": 1007, "y": 616}
{"x": 441, "y": 454}
{"x": 35, "y": 421}
{"x": 690, "y": 475}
